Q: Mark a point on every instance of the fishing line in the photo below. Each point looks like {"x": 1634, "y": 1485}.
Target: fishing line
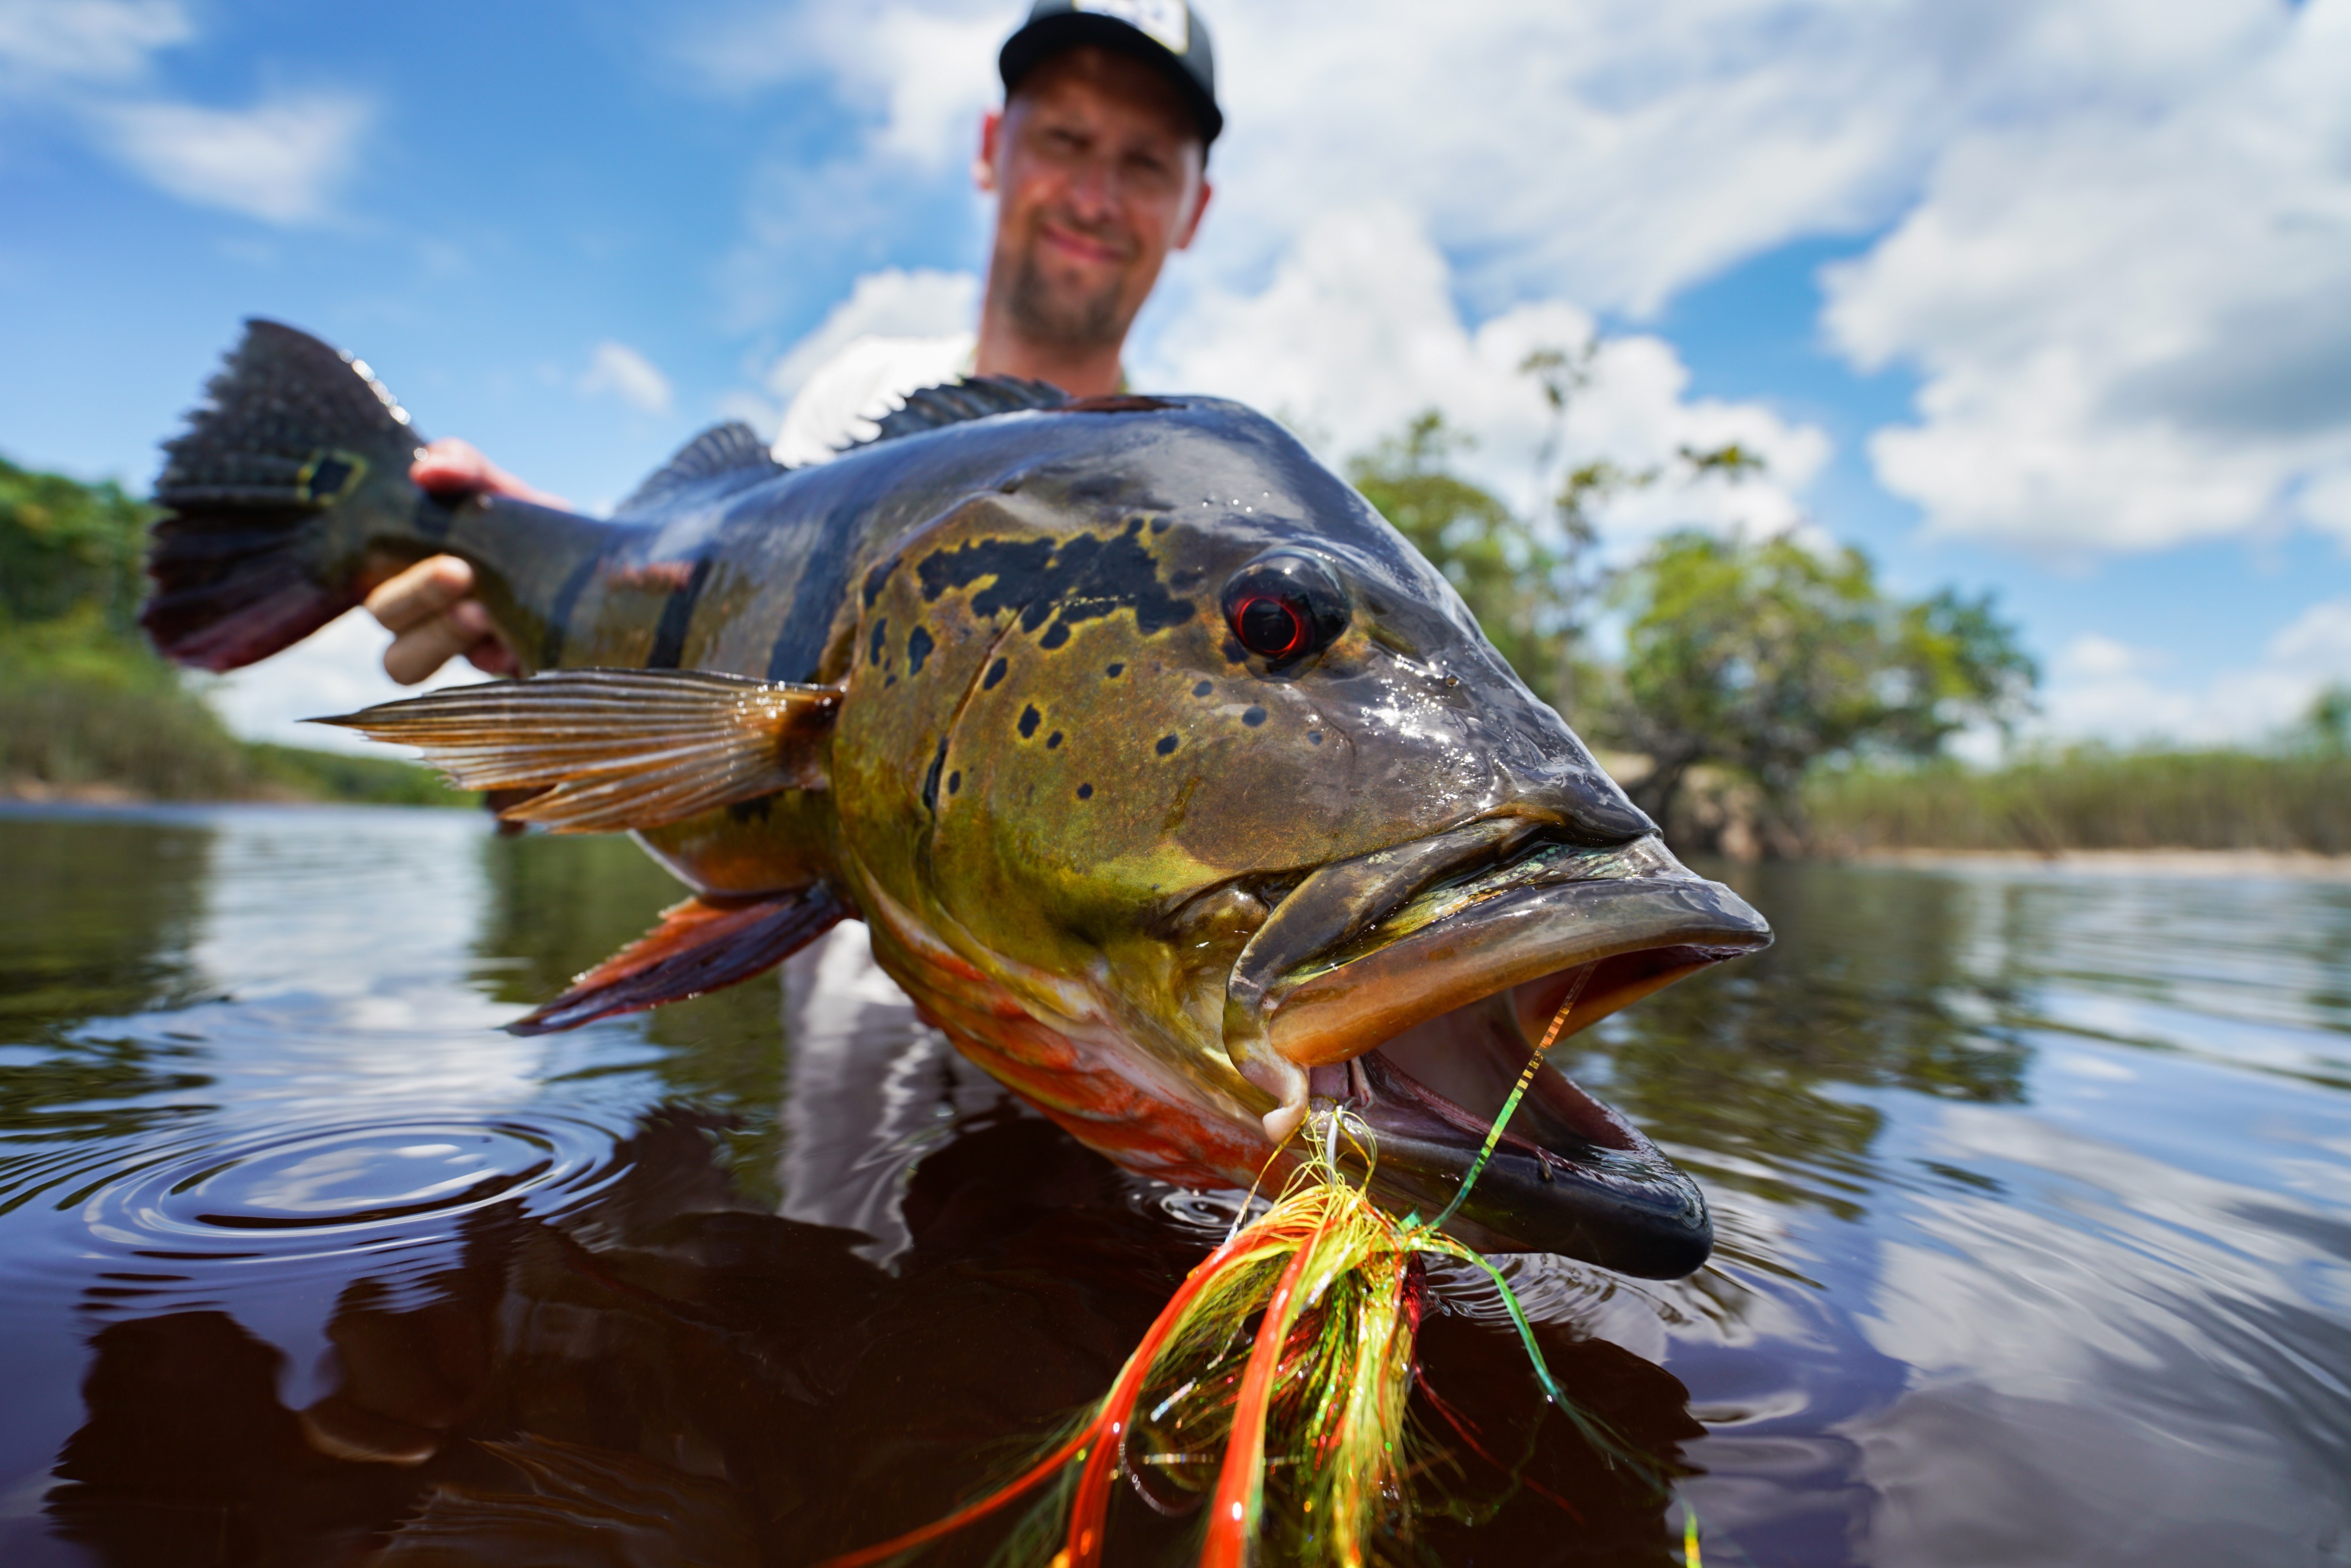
{"x": 1326, "y": 1289}
{"x": 1518, "y": 1092}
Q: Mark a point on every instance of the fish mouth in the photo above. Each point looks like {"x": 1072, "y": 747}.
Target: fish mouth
{"x": 1444, "y": 963}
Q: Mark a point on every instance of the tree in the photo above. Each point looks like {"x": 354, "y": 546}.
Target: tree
{"x": 1767, "y": 657}
{"x": 1532, "y": 587}
{"x": 2328, "y": 720}
{"x": 68, "y": 546}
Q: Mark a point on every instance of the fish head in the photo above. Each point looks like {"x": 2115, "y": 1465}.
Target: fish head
{"x": 1170, "y": 746}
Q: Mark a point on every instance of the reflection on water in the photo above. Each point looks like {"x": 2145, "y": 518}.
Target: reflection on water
{"x": 2034, "y": 1191}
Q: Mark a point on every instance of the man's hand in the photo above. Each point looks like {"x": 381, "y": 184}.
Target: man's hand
{"x": 429, "y": 609}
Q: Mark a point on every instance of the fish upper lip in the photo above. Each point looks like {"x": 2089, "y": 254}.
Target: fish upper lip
{"x": 1478, "y": 936}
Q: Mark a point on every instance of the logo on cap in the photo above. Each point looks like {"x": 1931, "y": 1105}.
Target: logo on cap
{"x": 1164, "y": 22}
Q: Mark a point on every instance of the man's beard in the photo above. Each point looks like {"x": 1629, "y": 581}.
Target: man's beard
{"x": 1047, "y": 313}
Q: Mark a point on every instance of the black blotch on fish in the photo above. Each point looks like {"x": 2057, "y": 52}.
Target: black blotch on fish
{"x": 1085, "y": 791}
{"x": 1203, "y": 689}
{"x": 918, "y": 648}
{"x": 1253, "y": 718}
{"x": 677, "y": 617}
{"x": 995, "y": 673}
{"x": 954, "y": 780}
{"x": 930, "y": 779}
{"x": 1166, "y": 745}
{"x": 1115, "y": 670}
{"x": 1159, "y": 524}
{"x": 567, "y": 602}
{"x": 879, "y": 578}
{"x": 1029, "y": 718}
{"x": 1084, "y": 577}
{"x": 1234, "y": 652}
{"x": 1052, "y": 740}
{"x": 1314, "y": 737}
{"x": 873, "y": 648}
{"x": 755, "y": 810}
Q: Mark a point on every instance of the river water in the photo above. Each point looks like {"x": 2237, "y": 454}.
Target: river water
{"x": 2033, "y": 1190}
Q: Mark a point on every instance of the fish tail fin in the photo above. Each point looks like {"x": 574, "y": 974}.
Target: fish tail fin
{"x": 296, "y": 458}
{"x": 701, "y": 945}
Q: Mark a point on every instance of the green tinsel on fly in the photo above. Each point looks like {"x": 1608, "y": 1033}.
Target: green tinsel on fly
{"x": 1297, "y": 1430}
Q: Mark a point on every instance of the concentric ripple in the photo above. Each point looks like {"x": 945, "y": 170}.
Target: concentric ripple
{"x": 357, "y": 1186}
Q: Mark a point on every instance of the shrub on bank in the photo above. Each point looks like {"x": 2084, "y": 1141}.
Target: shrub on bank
{"x": 2093, "y": 799}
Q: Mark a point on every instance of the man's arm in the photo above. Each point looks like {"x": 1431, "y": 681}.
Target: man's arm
{"x": 429, "y": 609}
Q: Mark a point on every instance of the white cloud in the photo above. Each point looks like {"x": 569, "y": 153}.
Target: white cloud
{"x": 1357, "y": 330}
{"x": 2112, "y": 691}
{"x": 2133, "y": 317}
{"x": 48, "y": 42}
{"x": 920, "y": 74}
{"x": 2121, "y": 242}
{"x": 339, "y": 669}
{"x": 919, "y": 302}
{"x": 279, "y": 160}
{"x": 628, "y": 375}
{"x": 83, "y": 67}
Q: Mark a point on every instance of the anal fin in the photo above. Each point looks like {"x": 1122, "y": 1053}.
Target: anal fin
{"x": 700, "y": 946}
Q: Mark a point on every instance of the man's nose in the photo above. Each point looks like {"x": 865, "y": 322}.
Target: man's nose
{"x": 1093, "y": 190}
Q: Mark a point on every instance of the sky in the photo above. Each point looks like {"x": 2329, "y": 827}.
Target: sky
{"x": 2045, "y": 297}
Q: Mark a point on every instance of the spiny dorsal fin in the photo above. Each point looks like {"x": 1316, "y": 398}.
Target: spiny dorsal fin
{"x": 953, "y": 402}
{"x": 616, "y": 748}
{"x": 725, "y": 457}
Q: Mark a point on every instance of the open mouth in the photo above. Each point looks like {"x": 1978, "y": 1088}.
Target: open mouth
{"x": 1413, "y": 987}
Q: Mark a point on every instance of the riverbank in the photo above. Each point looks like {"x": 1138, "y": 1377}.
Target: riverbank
{"x": 2215, "y": 863}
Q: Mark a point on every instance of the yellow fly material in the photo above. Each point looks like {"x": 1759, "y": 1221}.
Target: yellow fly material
{"x": 1293, "y": 1431}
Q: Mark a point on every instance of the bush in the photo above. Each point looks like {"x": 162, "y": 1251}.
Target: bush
{"x": 2093, "y": 799}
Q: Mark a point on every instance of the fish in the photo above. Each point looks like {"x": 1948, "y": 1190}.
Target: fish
{"x": 1171, "y": 782}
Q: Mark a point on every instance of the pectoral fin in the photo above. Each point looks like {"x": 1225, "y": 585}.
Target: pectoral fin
{"x": 607, "y": 749}
{"x": 699, "y": 946}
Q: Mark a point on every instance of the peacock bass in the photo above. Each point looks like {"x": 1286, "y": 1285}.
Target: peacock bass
{"x": 1175, "y": 786}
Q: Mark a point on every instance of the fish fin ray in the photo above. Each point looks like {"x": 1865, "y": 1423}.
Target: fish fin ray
{"x": 731, "y": 451}
{"x": 609, "y": 749}
{"x": 699, "y": 946}
{"x": 244, "y": 560}
{"x": 955, "y": 403}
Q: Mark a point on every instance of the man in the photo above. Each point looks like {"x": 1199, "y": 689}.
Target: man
{"x": 1098, "y": 163}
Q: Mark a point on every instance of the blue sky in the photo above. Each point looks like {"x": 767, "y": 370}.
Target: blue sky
{"x": 2054, "y": 299}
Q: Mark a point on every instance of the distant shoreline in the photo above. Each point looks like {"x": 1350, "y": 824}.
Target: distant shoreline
{"x": 2301, "y": 864}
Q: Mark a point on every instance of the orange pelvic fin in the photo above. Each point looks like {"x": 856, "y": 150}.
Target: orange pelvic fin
{"x": 607, "y": 749}
{"x": 698, "y": 946}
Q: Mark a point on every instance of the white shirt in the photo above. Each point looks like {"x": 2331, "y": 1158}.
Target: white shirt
{"x": 867, "y": 378}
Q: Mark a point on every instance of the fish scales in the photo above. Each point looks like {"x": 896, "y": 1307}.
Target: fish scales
{"x": 1147, "y": 750}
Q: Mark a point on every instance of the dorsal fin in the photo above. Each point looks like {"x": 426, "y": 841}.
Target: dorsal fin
{"x": 953, "y": 402}
{"x": 731, "y": 453}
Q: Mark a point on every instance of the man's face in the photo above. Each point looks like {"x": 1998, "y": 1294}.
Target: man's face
{"x": 1097, "y": 166}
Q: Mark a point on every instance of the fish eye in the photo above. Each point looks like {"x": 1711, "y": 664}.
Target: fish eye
{"x": 1286, "y": 605}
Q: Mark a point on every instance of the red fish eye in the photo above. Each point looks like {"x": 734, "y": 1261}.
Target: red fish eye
{"x": 1269, "y": 627}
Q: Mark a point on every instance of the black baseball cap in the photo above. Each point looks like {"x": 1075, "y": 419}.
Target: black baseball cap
{"x": 1164, "y": 32}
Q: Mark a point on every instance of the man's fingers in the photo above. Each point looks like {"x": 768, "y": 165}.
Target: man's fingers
{"x": 421, "y": 592}
{"x": 493, "y": 657}
{"x": 422, "y": 649}
{"x": 450, "y": 466}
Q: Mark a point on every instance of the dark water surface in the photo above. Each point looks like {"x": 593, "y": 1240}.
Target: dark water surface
{"x": 2035, "y": 1192}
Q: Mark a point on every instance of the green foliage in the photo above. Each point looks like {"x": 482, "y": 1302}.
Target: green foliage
{"x": 86, "y": 707}
{"x": 1767, "y": 657}
{"x": 67, "y": 547}
{"x": 2089, "y": 798}
{"x": 2328, "y": 725}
